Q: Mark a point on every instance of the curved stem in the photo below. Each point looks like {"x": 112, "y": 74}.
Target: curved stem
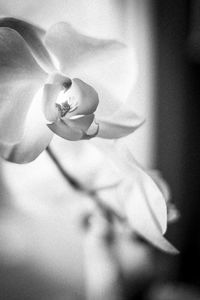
{"x": 98, "y": 246}
{"x": 108, "y": 212}
{"x": 73, "y": 182}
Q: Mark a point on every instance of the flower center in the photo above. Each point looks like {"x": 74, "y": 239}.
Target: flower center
{"x": 63, "y": 108}
{"x": 65, "y": 103}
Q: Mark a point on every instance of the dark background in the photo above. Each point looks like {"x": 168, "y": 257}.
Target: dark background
{"x": 177, "y": 27}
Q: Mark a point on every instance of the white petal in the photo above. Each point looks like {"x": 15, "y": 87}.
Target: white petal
{"x": 65, "y": 131}
{"x": 35, "y": 139}
{"x": 84, "y": 96}
{"x": 107, "y": 65}
{"x": 82, "y": 123}
{"x": 33, "y": 36}
{"x": 152, "y": 196}
{"x": 20, "y": 78}
{"x": 50, "y": 94}
{"x": 123, "y": 122}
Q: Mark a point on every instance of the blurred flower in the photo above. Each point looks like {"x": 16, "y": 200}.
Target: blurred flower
{"x": 35, "y": 67}
{"x": 122, "y": 185}
{"x": 144, "y": 200}
{"x": 142, "y": 204}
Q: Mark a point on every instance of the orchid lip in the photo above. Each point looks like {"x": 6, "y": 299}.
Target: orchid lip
{"x": 63, "y": 108}
{"x": 65, "y": 103}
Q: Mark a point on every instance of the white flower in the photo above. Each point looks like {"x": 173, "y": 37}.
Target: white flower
{"x": 81, "y": 94}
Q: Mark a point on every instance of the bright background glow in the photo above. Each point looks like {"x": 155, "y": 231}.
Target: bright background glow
{"x": 40, "y": 230}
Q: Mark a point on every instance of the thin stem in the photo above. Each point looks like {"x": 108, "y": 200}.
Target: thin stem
{"x": 73, "y": 182}
{"x": 106, "y": 210}
{"x": 98, "y": 247}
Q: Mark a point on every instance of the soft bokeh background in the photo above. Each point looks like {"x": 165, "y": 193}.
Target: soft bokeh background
{"x": 41, "y": 254}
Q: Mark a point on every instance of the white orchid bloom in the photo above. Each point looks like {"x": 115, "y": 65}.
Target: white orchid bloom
{"x": 61, "y": 82}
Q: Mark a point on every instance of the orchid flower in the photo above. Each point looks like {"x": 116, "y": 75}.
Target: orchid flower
{"x": 61, "y": 82}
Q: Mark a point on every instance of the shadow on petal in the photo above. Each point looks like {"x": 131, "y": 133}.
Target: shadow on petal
{"x": 33, "y": 36}
{"x": 20, "y": 79}
{"x": 65, "y": 131}
{"x": 36, "y": 137}
{"x": 50, "y": 94}
{"x": 85, "y": 96}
